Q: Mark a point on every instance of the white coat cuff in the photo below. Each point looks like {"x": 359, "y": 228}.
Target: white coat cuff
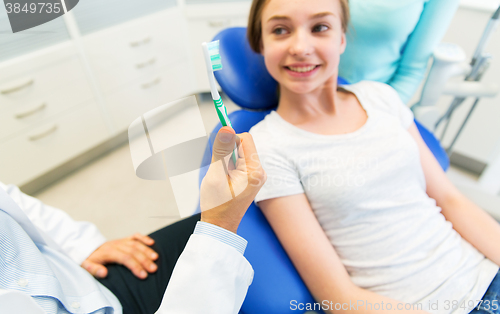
{"x": 222, "y": 235}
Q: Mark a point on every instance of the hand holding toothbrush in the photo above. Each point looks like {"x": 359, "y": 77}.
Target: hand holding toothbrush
{"x": 227, "y": 191}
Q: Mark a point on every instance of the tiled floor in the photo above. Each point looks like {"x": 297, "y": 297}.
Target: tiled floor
{"x": 108, "y": 193}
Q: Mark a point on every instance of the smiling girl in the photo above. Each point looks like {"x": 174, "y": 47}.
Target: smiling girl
{"x": 354, "y": 195}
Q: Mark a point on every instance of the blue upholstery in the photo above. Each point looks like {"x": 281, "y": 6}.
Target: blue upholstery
{"x": 433, "y": 144}
{"x": 244, "y": 74}
{"x": 246, "y": 81}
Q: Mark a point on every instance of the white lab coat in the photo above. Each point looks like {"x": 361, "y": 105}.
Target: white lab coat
{"x": 209, "y": 277}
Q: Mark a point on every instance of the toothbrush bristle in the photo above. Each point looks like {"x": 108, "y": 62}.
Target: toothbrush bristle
{"x": 213, "y": 51}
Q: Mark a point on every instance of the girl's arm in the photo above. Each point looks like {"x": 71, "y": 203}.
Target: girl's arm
{"x": 471, "y": 222}
{"x": 314, "y": 257}
{"x": 430, "y": 29}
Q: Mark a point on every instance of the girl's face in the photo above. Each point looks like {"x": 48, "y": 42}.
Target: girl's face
{"x": 302, "y": 41}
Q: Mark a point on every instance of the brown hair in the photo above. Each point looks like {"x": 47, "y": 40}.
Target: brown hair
{"x": 254, "y": 29}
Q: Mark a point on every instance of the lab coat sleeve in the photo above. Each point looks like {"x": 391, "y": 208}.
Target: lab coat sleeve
{"x": 431, "y": 27}
{"x": 78, "y": 239}
{"x": 12, "y": 301}
{"x": 209, "y": 277}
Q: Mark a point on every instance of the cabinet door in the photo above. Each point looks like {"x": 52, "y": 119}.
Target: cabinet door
{"x": 39, "y": 85}
{"x": 141, "y": 95}
{"x": 44, "y": 147}
{"x": 95, "y": 15}
{"x": 121, "y": 54}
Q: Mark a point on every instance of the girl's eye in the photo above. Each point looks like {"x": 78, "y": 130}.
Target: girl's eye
{"x": 279, "y": 31}
{"x": 320, "y": 28}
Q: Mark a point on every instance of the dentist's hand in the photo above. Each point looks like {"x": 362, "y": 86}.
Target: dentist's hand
{"x": 226, "y": 191}
{"x": 132, "y": 252}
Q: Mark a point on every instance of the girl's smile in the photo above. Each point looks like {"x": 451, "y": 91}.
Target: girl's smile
{"x": 302, "y": 69}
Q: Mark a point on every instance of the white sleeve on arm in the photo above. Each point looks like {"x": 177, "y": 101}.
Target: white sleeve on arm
{"x": 78, "y": 239}
{"x": 282, "y": 176}
{"x": 211, "y": 275}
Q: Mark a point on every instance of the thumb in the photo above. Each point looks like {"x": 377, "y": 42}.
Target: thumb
{"x": 95, "y": 269}
{"x": 224, "y": 143}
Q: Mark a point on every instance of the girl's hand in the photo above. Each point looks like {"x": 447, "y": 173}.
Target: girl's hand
{"x": 132, "y": 252}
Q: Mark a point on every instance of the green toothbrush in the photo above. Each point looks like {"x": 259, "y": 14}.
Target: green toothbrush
{"x": 213, "y": 63}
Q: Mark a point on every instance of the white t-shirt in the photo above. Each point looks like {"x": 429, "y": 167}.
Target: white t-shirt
{"x": 367, "y": 189}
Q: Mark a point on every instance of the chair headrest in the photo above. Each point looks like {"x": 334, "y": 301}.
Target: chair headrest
{"x": 244, "y": 76}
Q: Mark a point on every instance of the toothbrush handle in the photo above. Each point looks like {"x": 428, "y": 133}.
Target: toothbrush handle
{"x": 224, "y": 120}
{"x": 222, "y": 113}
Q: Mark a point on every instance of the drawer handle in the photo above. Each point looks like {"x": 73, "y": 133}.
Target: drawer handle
{"x": 15, "y": 88}
{"x": 140, "y": 42}
{"x": 30, "y": 112}
{"x": 43, "y": 134}
{"x": 146, "y": 63}
{"x": 218, "y": 23}
{"x": 152, "y": 83}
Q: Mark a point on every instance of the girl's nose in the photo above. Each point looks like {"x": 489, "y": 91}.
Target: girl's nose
{"x": 300, "y": 44}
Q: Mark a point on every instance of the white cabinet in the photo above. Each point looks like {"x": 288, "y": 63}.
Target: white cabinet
{"x": 89, "y": 78}
{"x": 45, "y": 146}
{"x": 47, "y": 112}
{"x": 38, "y": 86}
{"x": 96, "y": 15}
{"x": 148, "y": 92}
{"x": 140, "y": 64}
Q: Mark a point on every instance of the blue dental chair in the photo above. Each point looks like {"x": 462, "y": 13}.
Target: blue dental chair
{"x": 245, "y": 80}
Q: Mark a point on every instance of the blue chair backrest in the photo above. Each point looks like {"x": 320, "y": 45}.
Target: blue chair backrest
{"x": 245, "y": 79}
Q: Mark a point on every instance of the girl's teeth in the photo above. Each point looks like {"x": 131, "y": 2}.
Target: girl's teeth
{"x": 302, "y": 69}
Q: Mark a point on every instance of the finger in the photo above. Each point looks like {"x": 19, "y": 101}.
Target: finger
{"x": 149, "y": 252}
{"x": 248, "y": 151}
{"x": 95, "y": 269}
{"x": 143, "y": 238}
{"x": 237, "y": 152}
{"x": 131, "y": 263}
{"x": 141, "y": 253}
{"x": 238, "y": 140}
{"x": 256, "y": 174}
{"x": 224, "y": 143}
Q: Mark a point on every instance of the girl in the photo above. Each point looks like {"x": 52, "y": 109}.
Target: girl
{"x": 354, "y": 195}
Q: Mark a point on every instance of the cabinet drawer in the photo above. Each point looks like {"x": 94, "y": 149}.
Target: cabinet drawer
{"x": 132, "y": 100}
{"x": 136, "y": 40}
{"x": 94, "y": 15}
{"x": 33, "y": 94}
{"x": 34, "y": 108}
{"x": 43, "y": 148}
{"x": 62, "y": 57}
{"x": 110, "y": 79}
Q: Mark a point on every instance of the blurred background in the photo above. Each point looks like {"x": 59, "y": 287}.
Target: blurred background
{"x": 70, "y": 88}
